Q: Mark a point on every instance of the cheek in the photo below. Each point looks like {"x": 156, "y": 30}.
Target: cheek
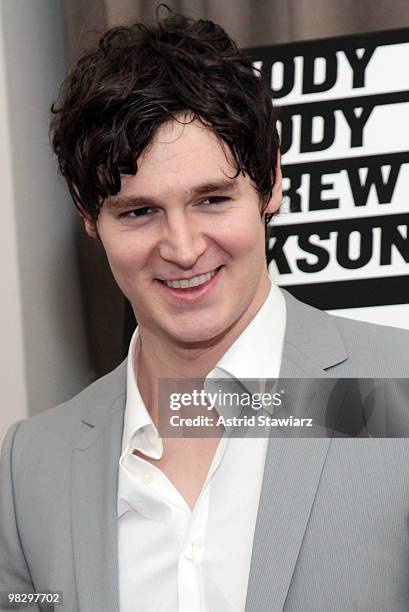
{"x": 121, "y": 257}
{"x": 126, "y": 256}
{"x": 245, "y": 238}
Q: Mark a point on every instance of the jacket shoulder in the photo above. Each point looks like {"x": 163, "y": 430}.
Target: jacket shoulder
{"x": 63, "y": 424}
{"x": 346, "y": 347}
{"x": 380, "y": 351}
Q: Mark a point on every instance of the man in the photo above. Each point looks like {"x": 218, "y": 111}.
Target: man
{"x": 167, "y": 140}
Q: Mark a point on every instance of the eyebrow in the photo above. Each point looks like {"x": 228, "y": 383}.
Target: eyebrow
{"x": 213, "y": 186}
{"x": 222, "y": 185}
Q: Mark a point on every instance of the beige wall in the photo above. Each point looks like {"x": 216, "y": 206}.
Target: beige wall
{"x": 43, "y": 359}
{"x": 12, "y": 368}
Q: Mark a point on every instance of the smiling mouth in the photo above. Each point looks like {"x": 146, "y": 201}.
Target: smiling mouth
{"x": 196, "y": 281}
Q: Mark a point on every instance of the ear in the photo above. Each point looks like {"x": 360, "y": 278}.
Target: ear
{"x": 90, "y": 226}
{"x": 277, "y": 194}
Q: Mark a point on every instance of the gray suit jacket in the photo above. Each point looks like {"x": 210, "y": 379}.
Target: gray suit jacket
{"x": 332, "y": 526}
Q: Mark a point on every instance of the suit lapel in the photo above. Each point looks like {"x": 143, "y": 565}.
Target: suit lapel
{"x": 291, "y": 477}
{"x": 94, "y": 500}
{"x": 293, "y": 466}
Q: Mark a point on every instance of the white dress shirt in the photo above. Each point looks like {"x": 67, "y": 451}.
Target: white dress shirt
{"x": 173, "y": 559}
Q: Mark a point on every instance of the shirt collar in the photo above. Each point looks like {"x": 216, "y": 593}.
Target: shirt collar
{"x": 140, "y": 431}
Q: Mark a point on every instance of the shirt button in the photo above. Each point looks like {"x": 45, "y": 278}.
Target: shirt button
{"x": 190, "y": 552}
{"x": 147, "y": 477}
{"x": 152, "y": 439}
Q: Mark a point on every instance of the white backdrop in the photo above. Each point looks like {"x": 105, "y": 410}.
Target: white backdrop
{"x": 341, "y": 239}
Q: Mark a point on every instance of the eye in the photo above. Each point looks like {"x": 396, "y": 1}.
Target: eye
{"x": 212, "y": 200}
{"x": 138, "y": 212}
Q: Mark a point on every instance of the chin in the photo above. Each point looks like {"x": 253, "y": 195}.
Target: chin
{"x": 193, "y": 337}
{"x": 199, "y": 334}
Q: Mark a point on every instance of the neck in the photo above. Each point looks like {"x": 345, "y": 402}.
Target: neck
{"x": 161, "y": 359}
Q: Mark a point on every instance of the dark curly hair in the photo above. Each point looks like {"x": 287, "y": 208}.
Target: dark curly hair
{"x": 139, "y": 77}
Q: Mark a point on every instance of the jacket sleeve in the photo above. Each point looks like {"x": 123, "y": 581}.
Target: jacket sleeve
{"x": 14, "y": 572}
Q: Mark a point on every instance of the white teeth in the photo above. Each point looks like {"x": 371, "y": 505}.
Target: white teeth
{"x": 192, "y": 282}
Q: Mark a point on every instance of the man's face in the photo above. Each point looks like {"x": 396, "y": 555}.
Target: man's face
{"x": 184, "y": 241}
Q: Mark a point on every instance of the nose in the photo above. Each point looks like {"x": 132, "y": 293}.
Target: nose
{"x": 182, "y": 242}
